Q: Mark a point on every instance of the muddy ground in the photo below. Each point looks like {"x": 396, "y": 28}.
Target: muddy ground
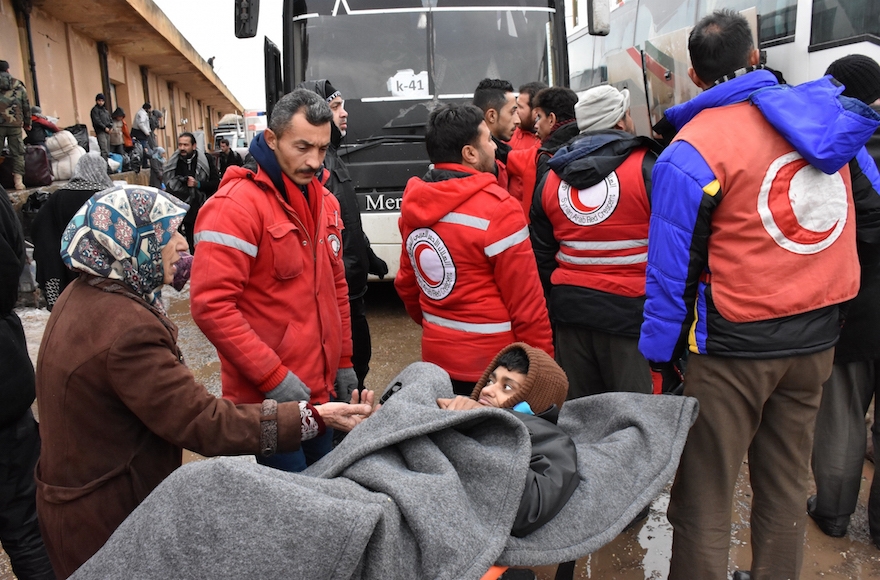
{"x": 640, "y": 553}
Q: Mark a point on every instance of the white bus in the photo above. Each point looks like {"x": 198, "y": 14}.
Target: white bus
{"x": 646, "y": 49}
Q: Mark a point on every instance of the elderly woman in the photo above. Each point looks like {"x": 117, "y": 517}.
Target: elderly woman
{"x": 117, "y": 403}
{"x": 89, "y": 177}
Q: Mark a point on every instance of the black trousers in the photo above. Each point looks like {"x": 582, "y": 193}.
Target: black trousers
{"x": 19, "y": 530}
{"x": 362, "y": 346}
{"x": 839, "y": 443}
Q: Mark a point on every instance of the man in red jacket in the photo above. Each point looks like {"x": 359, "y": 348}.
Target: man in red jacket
{"x": 268, "y": 286}
{"x": 524, "y": 136}
{"x": 467, "y": 271}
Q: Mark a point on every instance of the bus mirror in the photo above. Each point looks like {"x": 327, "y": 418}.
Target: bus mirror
{"x": 599, "y": 17}
{"x": 247, "y": 12}
{"x": 272, "y": 72}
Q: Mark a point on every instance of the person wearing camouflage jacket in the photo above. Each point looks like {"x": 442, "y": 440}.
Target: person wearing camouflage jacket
{"x": 14, "y": 114}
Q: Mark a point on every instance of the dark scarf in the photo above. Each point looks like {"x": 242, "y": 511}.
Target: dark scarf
{"x": 265, "y": 158}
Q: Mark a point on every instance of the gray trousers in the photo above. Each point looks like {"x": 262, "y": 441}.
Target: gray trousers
{"x": 104, "y": 143}
{"x": 13, "y": 138}
{"x": 839, "y": 444}
{"x": 598, "y": 362}
{"x": 766, "y": 408}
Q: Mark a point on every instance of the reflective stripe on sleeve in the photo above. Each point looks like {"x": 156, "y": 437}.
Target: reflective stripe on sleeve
{"x": 463, "y": 219}
{"x": 473, "y": 327}
{"x": 508, "y": 242}
{"x": 606, "y": 245}
{"x": 226, "y": 240}
{"x": 617, "y": 260}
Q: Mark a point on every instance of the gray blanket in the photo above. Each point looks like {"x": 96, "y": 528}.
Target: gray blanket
{"x": 413, "y": 492}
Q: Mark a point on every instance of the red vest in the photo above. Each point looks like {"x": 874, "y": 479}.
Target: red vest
{"x": 782, "y": 239}
{"x": 602, "y": 231}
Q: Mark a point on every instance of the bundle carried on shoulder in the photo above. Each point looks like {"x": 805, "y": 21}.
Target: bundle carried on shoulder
{"x": 65, "y": 151}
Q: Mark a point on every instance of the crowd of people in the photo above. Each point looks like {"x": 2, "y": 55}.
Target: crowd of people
{"x": 725, "y": 266}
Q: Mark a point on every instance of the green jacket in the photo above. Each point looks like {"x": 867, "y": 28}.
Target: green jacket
{"x": 15, "y": 109}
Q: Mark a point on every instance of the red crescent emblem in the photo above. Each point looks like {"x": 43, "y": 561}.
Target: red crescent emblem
{"x": 575, "y": 199}
{"x": 417, "y": 252}
{"x": 783, "y": 214}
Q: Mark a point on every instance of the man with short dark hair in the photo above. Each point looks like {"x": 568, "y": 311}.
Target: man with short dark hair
{"x": 555, "y": 125}
{"x": 192, "y": 178}
{"x": 228, "y": 157}
{"x": 102, "y": 123}
{"x": 524, "y": 136}
{"x": 496, "y": 99}
{"x": 141, "y": 131}
{"x": 268, "y": 282}
{"x": 467, "y": 272}
{"x": 751, "y": 250}
{"x": 15, "y": 114}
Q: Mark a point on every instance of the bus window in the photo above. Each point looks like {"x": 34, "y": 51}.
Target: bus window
{"x": 838, "y": 21}
{"x": 472, "y": 46}
{"x": 659, "y": 17}
{"x": 777, "y": 17}
{"x": 386, "y": 44}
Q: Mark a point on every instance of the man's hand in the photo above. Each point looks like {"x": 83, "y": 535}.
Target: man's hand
{"x": 346, "y": 416}
{"x": 346, "y": 382}
{"x": 459, "y": 403}
{"x": 190, "y": 181}
{"x": 666, "y": 378}
{"x": 290, "y": 389}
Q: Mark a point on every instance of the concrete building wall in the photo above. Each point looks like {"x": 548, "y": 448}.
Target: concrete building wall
{"x": 53, "y": 68}
{"x": 11, "y": 44}
{"x": 86, "y": 67}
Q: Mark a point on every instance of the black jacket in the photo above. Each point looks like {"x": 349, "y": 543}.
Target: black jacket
{"x": 860, "y": 335}
{"x": 225, "y": 160}
{"x": 17, "y": 377}
{"x": 357, "y": 255}
{"x": 552, "y": 476}
{"x": 576, "y": 305}
{"x": 101, "y": 119}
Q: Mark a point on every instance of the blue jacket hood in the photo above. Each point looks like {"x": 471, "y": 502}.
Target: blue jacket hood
{"x": 827, "y": 129}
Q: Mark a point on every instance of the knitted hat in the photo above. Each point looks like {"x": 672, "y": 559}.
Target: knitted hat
{"x": 545, "y": 385}
{"x": 601, "y": 108}
{"x": 36, "y": 111}
{"x": 859, "y": 74}
{"x": 99, "y": 97}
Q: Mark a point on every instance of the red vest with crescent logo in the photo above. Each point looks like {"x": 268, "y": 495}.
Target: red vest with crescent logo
{"x": 782, "y": 239}
{"x": 602, "y": 231}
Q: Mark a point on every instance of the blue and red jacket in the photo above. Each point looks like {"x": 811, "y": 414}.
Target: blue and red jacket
{"x": 752, "y": 234}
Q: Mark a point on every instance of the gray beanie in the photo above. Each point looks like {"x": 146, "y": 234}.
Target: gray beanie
{"x": 601, "y": 108}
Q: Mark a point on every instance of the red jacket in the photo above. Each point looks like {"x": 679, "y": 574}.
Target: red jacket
{"x": 523, "y": 140}
{"x": 467, "y": 271}
{"x": 268, "y": 285}
{"x": 522, "y": 170}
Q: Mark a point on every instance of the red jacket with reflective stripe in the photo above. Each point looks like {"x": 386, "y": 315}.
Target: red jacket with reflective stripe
{"x": 268, "y": 286}
{"x": 602, "y": 231}
{"x": 467, "y": 271}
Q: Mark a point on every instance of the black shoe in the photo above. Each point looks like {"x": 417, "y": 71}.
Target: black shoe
{"x": 829, "y": 529}
{"x": 641, "y": 516}
{"x": 742, "y": 575}
{"x": 518, "y": 574}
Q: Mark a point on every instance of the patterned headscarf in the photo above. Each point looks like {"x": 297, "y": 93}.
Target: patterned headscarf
{"x": 90, "y": 173}
{"x": 119, "y": 234}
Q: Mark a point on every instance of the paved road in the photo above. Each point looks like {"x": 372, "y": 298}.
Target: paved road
{"x": 639, "y": 554}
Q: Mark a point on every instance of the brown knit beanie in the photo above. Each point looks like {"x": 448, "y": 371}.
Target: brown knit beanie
{"x": 546, "y": 383}
{"x": 860, "y": 76}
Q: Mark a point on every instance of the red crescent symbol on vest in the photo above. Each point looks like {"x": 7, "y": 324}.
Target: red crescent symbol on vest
{"x": 417, "y": 252}
{"x": 783, "y": 214}
{"x": 575, "y": 199}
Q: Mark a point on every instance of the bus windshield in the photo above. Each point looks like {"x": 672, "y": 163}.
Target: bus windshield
{"x": 394, "y": 51}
